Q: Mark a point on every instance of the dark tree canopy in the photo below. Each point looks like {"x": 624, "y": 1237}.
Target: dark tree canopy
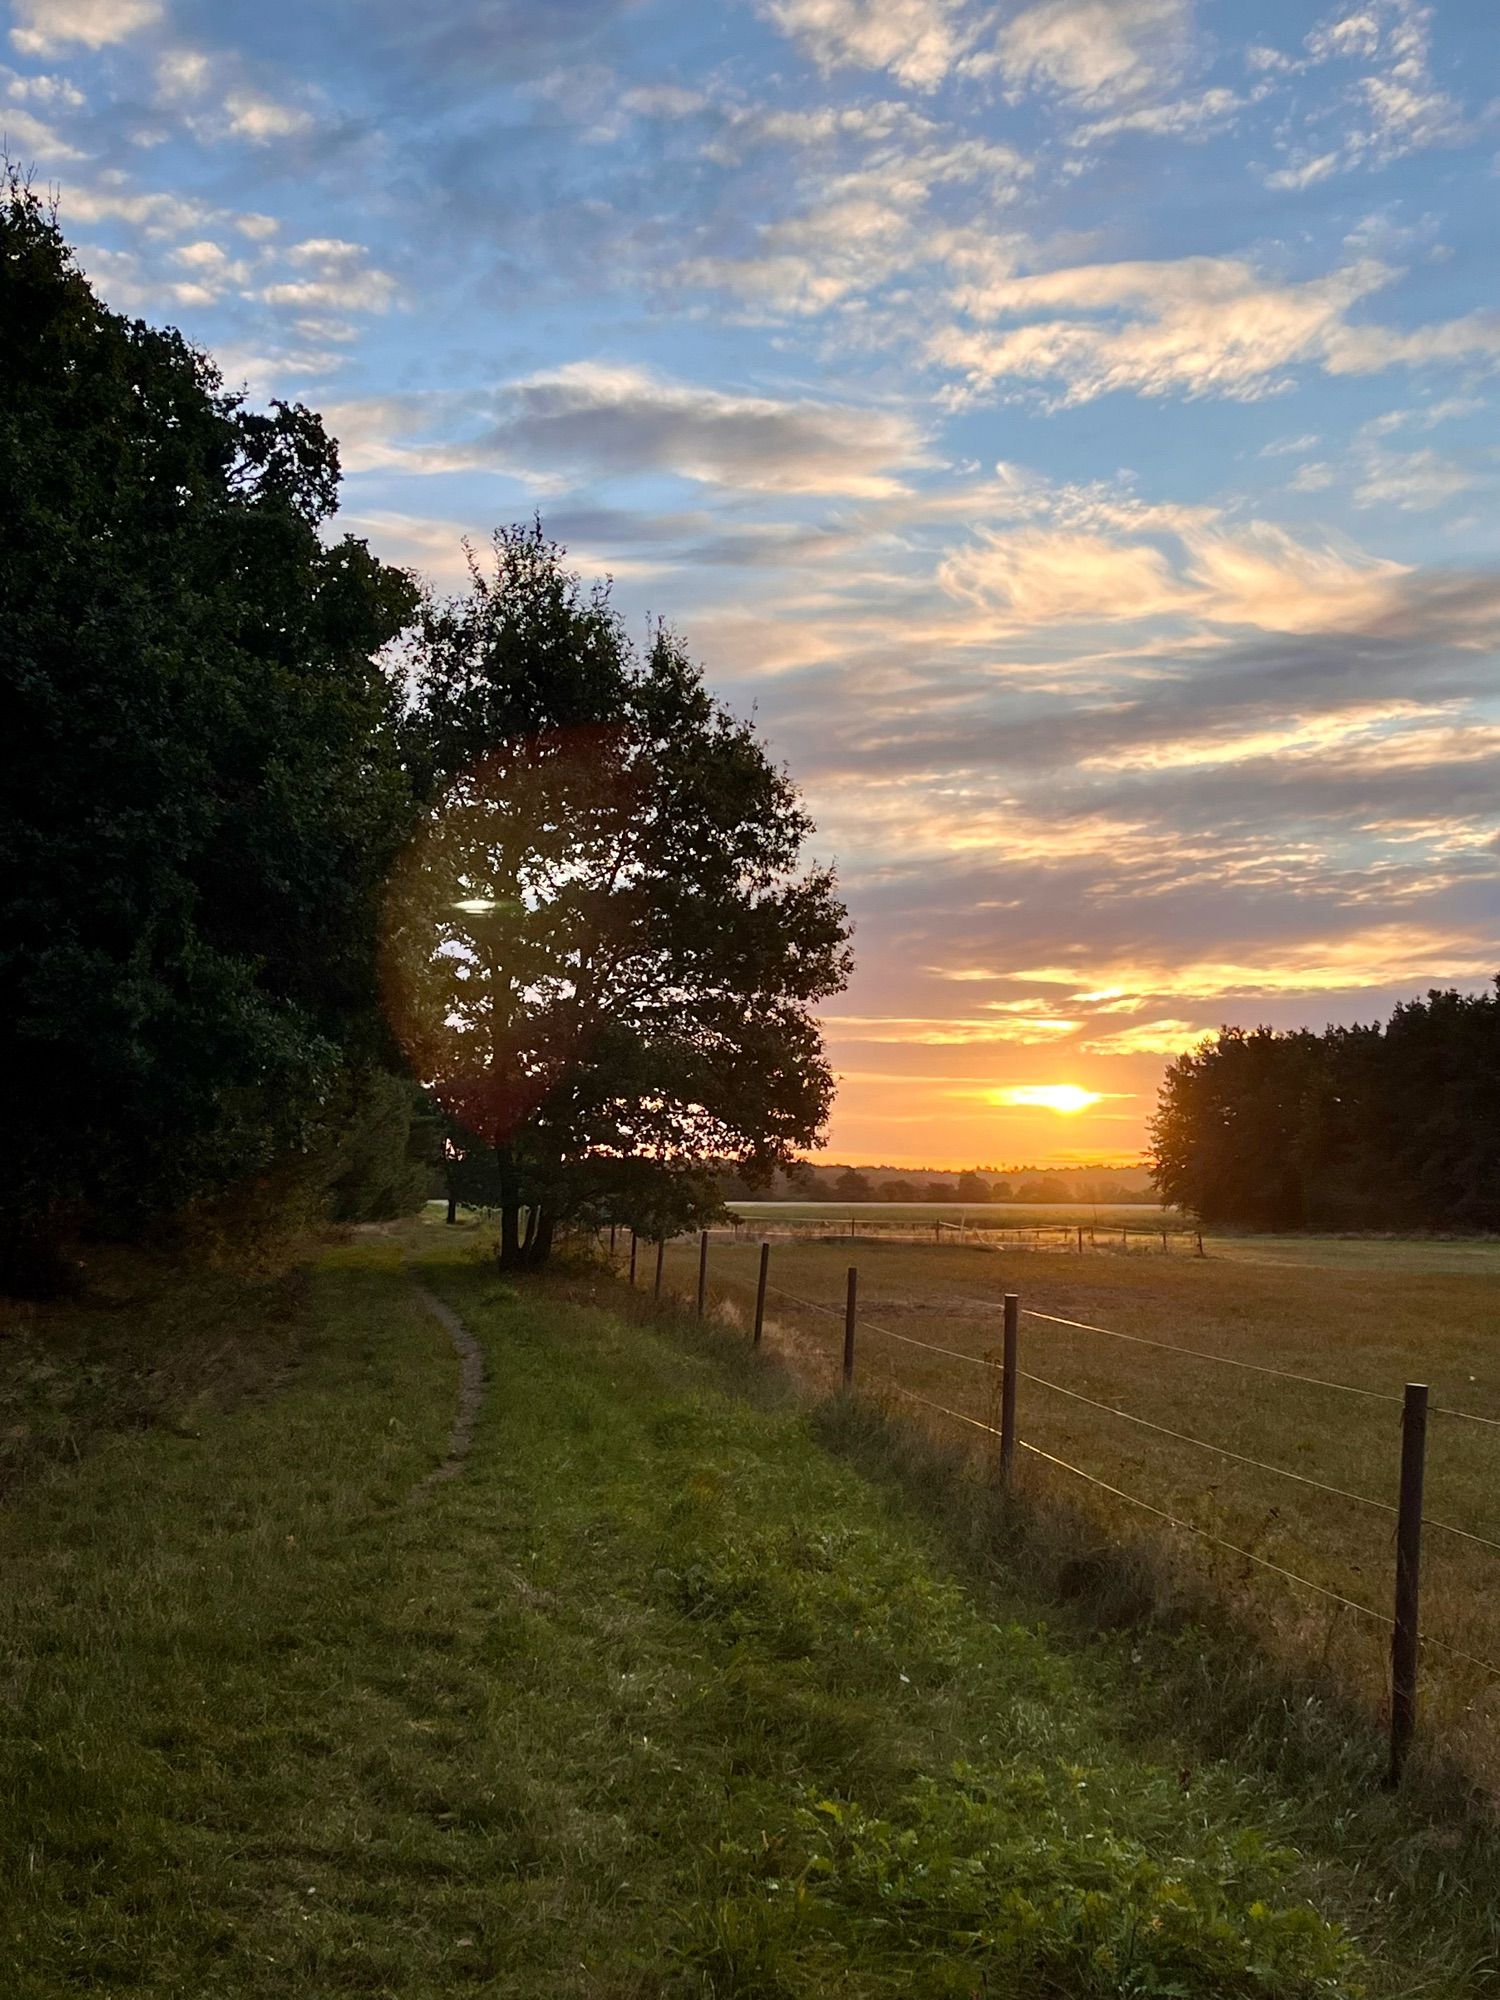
{"x": 602, "y": 949}
{"x": 200, "y": 767}
{"x": 1357, "y": 1128}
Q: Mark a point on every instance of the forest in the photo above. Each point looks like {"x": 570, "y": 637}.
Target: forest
{"x": 1388, "y": 1126}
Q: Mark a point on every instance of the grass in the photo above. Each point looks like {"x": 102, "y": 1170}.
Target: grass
{"x": 680, "y": 1688}
{"x": 1375, "y": 1327}
{"x": 148, "y": 1345}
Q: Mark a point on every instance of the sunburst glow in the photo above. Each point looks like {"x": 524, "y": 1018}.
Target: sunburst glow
{"x": 1068, "y": 1098}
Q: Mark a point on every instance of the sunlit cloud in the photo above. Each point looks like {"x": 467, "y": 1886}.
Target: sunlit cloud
{"x": 1377, "y": 957}
{"x": 1148, "y": 1038}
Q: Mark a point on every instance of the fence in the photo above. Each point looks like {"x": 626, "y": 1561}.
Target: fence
{"x": 1137, "y": 1239}
{"x": 1005, "y": 1376}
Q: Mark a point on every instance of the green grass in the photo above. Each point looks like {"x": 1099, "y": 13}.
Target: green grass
{"x": 675, "y": 1690}
{"x": 1375, "y": 1325}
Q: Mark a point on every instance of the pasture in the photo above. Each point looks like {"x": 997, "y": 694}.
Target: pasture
{"x": 1369, "y": 1317}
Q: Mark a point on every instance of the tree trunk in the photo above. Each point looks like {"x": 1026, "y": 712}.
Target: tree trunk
{"x": 452, "y": 1209}
{"x": 539, "y": 1245}
{"x": 510, "y": 1210}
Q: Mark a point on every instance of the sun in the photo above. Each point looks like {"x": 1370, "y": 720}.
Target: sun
{"x": 1067, "y": 1098}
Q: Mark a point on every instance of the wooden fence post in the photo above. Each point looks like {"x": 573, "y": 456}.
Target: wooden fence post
{"x": 1008, "y": 1389}
{"x": 611, "y": 1242}
{"x": 1080, "y": 1239}
{"x": 1200, "y": 1242}
{"x": 937, "y": 1232}
{"x": 661, "y": 1251}
{"x": 1406, "y": 1630}
{"x": 632, "y": 1260}
{"x": 850, "y": 1295}
{"x": 702, "y": 1271}
{"x": 760, "y": 1294}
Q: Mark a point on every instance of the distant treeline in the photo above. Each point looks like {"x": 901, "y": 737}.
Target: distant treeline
{"x": 973, "y": 1188}
{"x": 1380, "y": 1127}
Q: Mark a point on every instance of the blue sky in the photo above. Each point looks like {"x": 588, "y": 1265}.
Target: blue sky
{"x": 1070, "y": 425}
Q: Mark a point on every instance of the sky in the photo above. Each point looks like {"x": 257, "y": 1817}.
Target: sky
{"x": 1069, "y": 425}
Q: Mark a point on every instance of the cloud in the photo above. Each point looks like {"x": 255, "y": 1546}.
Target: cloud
{"x": 42, "y": 26}
{"x": 1369, "y": 956}
{"x": 1148, "y": 1038}
{"x": 22, "y": 128}
{"x": 917, "y": 41}
{"x": 1094, "y": 52}
{"x": 156, "y": 214}
{"x": 1392, "y": 108}
{"x": 1197, "y": 326}
{"x": 1303, "y": 170}
{"x": 1296, "y": 736}
{"x": 1181, "y": 118}
{"x": 338, "y": 280}
{"x": 860, "y": 225}
{"x": 251, "y": 115}
{"x": 608, "y": 420}
{"x": 1258, "y": 576}
{"x": 1054, "y": 576}
{"x": 1411, "y": 480}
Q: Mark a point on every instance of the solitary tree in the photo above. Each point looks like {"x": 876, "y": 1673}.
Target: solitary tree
{"x": 602, "y": 950}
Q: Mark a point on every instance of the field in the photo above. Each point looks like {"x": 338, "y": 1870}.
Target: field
{"x": 680, "y": 1686}
{"x": 996, "y": 1214}
{"x": 1370, "y": 1316}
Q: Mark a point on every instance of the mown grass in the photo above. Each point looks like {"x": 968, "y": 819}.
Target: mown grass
{"x": 668, "y": 1693}
{"x": 1432, "y": 1326}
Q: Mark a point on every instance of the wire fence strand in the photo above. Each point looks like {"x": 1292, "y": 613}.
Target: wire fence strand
{"x": 1223, "y": 1360}
{"x": 1147, "y": 1423}
{"x": 1489, "y": 1667}
{"x": 1205, "y": 1444}
{"x": 1161, "y": 1430}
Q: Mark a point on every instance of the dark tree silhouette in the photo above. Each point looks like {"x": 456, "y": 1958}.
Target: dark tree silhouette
{"x": 1362, "y": 1127}
{"x": 602, "y": 949}
{"x": 200, "y": 774}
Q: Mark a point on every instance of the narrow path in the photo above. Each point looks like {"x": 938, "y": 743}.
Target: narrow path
{"x": 471, "y": 1384}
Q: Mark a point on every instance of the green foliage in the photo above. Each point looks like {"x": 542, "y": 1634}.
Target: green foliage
{"x": 383, "y": 1136}
{"x": 1363, "y": 1127}
{"x": 602, "y": 951}
{"x": 200, "y": 770}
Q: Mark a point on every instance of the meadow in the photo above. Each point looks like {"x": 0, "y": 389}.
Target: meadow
{"x": 687, "y": 1684}
{"x": 1371, "y": 1316}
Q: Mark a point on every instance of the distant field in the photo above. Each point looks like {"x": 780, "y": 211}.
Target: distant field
{"x": 1370, "y": 1314}
{"x": 1476, "y": 1256}
{"x": 986, "y": 1215}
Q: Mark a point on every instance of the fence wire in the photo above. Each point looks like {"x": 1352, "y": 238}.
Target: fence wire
{"x": 1182, "y": 1437}
{"x": 1148, "y": 1423}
